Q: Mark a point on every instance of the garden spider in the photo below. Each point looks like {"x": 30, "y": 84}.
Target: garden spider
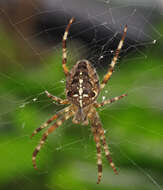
{"x": 82, "y": 90}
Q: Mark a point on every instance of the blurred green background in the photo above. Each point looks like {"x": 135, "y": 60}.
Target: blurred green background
{"x": 68, "y": 160}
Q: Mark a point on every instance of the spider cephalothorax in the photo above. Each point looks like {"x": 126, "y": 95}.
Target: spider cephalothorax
{"x": 82, "y": 90}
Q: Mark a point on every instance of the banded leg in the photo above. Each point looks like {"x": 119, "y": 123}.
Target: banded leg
{"x": 114, "y": 60}
{"x": 107, "y": 152}
{"x": 64, "y": 51}
{"x": 98, "y": 148}
{"x": 97, "y": 105}
{"x": 56, "y": 99}
{"x": 54, "y": 117}
{"x": 45, "y": 135}
{"x": 96, "y": 120}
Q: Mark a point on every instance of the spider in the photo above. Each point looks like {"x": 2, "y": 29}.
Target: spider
{"x": 82, "y": 90}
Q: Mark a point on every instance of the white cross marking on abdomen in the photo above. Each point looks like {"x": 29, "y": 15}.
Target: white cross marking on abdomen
{"x": 80, "y": 91}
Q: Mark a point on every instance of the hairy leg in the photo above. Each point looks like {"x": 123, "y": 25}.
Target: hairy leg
{"x": 106, "y": 149}
{"x": 56, "y": 99}
{"x": 64, "y": 51}
{"x": 45, "y": 135}
{"x": 98, "y": 148}
{"x": 114, "y": 60}
{"x": 95, "y": 120}
{"x": 97, "y": 105}
{"x": 54, "y": 117}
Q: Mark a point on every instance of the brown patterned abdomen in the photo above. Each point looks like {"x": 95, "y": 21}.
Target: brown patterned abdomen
{"x": 82, "y": 84}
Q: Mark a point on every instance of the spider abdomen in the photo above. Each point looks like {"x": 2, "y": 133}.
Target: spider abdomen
{"x": 82, "y": 85}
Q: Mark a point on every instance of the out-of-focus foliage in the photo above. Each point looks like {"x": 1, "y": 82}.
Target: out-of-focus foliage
{"x": 68, "y": 160}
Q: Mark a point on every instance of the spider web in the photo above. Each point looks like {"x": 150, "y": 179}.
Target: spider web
{"x": 133, "y": 126}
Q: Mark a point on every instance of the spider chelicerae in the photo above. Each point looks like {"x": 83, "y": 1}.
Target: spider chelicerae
{"x": 82, "y": 90}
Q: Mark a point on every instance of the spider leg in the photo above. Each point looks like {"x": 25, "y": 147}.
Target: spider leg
{"x": 93, "y": 117}
{"x": 95, "y": 120}
{"x": 98, "y": 148}
{"x": 64, "y": 51}
{"x": 54, "y": 117}
{"x": 114, "y": 60}
{"x": 45, "y": 135}
{"x": 56, "y": 99}
{"x": 107, "y": 152}
{"x": 97, "y": 105}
